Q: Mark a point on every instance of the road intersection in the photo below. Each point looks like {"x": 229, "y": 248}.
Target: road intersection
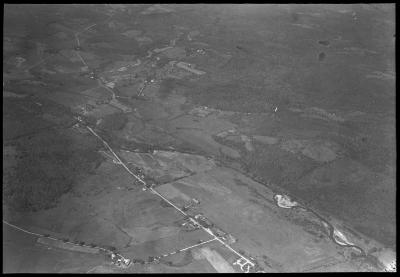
{"x": 245, "y": 260}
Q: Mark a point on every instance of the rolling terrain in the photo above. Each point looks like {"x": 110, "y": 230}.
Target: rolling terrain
{"x": 224, "y": 105}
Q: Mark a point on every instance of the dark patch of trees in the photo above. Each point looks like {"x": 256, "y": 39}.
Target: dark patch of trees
{"x": 324, "y": 42}
{"x": 321, "y": 56}
{"x": 48, "y": 166}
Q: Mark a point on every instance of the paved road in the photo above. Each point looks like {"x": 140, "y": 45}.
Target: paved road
{"x": 145, "y": 185}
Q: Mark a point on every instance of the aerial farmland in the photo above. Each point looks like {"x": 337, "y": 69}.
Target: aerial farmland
{"x": 199, "y": 138}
